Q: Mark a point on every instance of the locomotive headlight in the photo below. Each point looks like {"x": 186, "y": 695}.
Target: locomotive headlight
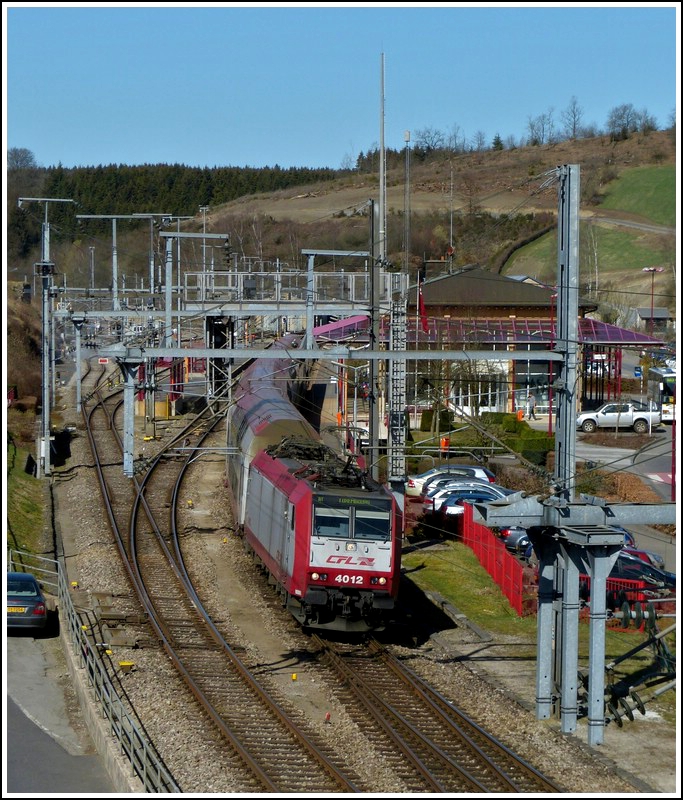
{"x": 350, "y": 547}
{"x": 382, "y": 581}
{"x": 375, "y": 580}
{"x": 315, "y": 576}
{"x": 318, "y": 576}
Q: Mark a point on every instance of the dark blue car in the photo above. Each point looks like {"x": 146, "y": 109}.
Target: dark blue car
{"x": 26, "y": 604}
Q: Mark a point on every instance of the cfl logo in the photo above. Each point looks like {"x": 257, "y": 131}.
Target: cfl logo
{"x": 350, "y": 561}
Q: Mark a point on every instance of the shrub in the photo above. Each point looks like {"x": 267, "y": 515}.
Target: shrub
{"x": 532, "y": 445}
{"x": 445, "y": 420}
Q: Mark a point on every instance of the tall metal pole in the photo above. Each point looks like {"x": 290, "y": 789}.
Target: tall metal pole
{"x": 151, "y": 255}
{"x": 45, "y": 268}
{"x": 178, "y": 271}
{"x": 382, "y": 248}
{"x": 114, "y": 253}
{"x": 114, "y": 268}
{"x": 44, "y": 458}
{"x": 406, "y": 247}
{"x": 406, "y": 208}
{"x": 551, "y": 371}
{"x": 92, "y": 267}
{"x": 373, "y": 413}
{"x": 168, "y": 333}
{"x": 567, "y": 327}
{"x": 451, "y": 236}
{"x": 151, "y": 217}
{"x": 204, "y": 209}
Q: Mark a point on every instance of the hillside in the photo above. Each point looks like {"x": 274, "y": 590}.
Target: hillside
{"x": 450, "y": 196}
{"x": 497, "y": 202}
{"x": 631, "y": 182}
{"x": 504, "y": 181}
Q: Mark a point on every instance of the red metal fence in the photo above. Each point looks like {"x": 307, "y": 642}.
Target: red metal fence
{"x": 519, "y": 583}
{"x": 502, "y": 566}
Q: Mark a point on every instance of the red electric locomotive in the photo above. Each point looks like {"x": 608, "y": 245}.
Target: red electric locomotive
{"x": 328, "y": 535}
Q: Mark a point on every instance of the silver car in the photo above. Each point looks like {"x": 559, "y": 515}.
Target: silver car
{"x": 416, "y": 483}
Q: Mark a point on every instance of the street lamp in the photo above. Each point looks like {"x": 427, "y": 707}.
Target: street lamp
{"x": 652, "y": 271}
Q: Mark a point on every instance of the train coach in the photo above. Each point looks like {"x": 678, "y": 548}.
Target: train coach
{"x": 327, "y": 534}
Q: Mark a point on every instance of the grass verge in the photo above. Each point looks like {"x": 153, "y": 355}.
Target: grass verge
{"x": 25, "y": 502}
{"x": 452, "y": 570}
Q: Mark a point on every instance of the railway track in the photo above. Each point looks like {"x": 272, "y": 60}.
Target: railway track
{"x": 274, "y": 754}
{"x": 431, "y": 744}
{"x": 238, "y": 723}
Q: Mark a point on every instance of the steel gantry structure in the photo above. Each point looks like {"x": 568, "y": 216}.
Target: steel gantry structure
{"x": 568, "y": 535}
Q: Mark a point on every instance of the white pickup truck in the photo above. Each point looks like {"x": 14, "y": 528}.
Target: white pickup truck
{"x": 629, "y": 414}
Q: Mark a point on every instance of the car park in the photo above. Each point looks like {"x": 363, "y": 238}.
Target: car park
{"x": 26, "y": 603}
{"x": 415, "y": 483}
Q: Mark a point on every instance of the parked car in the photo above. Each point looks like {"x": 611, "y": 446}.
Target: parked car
{"x": 26, "y": 603}
{"x": 632, "y": 568}
{"x": 630, "y": 414}
{"x": 415, "y": 483}
{"x": 460, "y": 474}
{"x": 656, "y": 559}
{"x": 452, "y": 504}
{"x": 431, "y": 493}
{"x": 433, "y": 500}
{"x": 660, "y": 583}
{"x": 515, "y": 538}
{"x": 517, "y": 541}
{"x": 437, "y": 482}
{"x": 629, "y": 541}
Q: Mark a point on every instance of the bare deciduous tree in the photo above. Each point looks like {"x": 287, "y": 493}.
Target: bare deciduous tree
{"x": 646, "y": 122}
{"x": 469, "y": 189}
{"x": 456, "y": 141}
{"x": 428, "y": 139}
{"x": 622, "y": 121}
{"x": 571, "y": 118}
{"x": 541, "y": 128}
{"x": 479, "y": 141}
{"x": 20, "y": 158}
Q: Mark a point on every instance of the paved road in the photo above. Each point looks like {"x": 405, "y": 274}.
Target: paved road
{"x": 653, "y": 464}
{"x": 47, "y": 748}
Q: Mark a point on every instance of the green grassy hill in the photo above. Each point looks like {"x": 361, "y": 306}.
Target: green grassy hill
{"x": 648, "y": 192}
{"x": 611, "y": 255}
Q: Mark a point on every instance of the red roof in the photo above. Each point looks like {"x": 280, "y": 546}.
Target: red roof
{"x": 490, "y": 331}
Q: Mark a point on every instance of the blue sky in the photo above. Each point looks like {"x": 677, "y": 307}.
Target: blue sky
{"x": 260, "y": 84}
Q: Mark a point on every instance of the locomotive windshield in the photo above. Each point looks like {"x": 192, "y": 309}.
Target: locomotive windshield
{"x": 372, "y": 524}
{"x": 346, "y": 519}
{"x": 333, "y": 522}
